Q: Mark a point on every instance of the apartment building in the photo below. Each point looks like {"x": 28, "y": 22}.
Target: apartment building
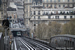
{"x": 58, "y": 3}
{"x": 51, "y": 10}
{"x": 47, "y": 15}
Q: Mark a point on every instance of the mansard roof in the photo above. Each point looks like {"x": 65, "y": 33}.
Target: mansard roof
{"x": 11, "y": 9}
{"x": 37, "y": 1}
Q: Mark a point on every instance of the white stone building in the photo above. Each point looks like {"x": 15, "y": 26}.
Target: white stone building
{"x": 49, "y": 10}
{"x": 48, "y": 15}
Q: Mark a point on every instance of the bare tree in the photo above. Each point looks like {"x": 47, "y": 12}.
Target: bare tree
{"x": 45, "y": 31}
{"x": 54, "y": 28}
{"x": 41, "y": 31}
{"x": 69, "y": 28}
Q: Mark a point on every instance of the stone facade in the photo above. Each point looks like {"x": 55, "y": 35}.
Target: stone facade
{"x": 48, "y": 10}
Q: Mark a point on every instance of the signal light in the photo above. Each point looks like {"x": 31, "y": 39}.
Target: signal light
{"x": 5, "y": 23}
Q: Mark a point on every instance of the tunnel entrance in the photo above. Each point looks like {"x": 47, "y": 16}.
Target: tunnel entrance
{"x": 20, "y": 33}
{"x": 14, "y": 33}
{"x": 17, "y": 33}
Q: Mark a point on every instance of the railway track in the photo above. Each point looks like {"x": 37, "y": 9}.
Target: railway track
{"x": 23, "y": 43}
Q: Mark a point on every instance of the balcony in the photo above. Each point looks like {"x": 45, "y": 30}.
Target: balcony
{"x": 58, "y": 2}
{"x": 28, "y": 3}
{"x": 61, "y": 13}
{"x": 37, "y": 6}
{"x": 52, "y": 19}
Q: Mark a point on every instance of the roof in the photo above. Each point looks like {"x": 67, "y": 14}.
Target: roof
{"x": 37, "y": 6}
{"x": 64, "y": 35}
{"x": 12, "y": 4}
{"x": 11, "y": 9}
{"x": 37, "y": 1}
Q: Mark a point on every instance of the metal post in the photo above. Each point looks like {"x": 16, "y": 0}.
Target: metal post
{"x": 5, "y": 39}
{"x": 5, "y": 32}
{"x": 5, "y": 16}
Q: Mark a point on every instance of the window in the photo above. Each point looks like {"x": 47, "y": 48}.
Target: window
{"x": 74, "y": 16}
{"x": 34, "y": 17}
{"x": 34, "y": 3}
{"x": 54, "y": 0}
{"x": 64, "y": 17}
{"x": 63, "y": 0}
{"x": 34, "y": 25}
{"x": 49, "y": 17}
{"x": 71, "y": 17}
{"x": 68, "y": 5}
{"x": 30, "y": 1}
{"x": 54, "y": 6}
{"x": 68, "y": 0}
{"x": 50, "y": 0}
{"x": 44, "y": 13}
{"x": 38, "y": 12}
{"x": 56, "y": 17}
{"x": 47, "y": 5}
{"x": 43, "y": 0}
{"x": 58, "y": 0}
{"x": 73, "y": 5}
{"x": 59, "y": 6}
{"x": 26, "y": 0}
{"x": 38, "y": 17}
{"x": 64, "y": 5}
{"x": 51, "y": 5}
{"x": 34, "y": 12}
{"x": 14, "y": 16}
{"x": 47, "y": 0}
{"x": 38, "y": 22}
{"x": 72, "y": 0}
{"x": 43, "y": 6}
